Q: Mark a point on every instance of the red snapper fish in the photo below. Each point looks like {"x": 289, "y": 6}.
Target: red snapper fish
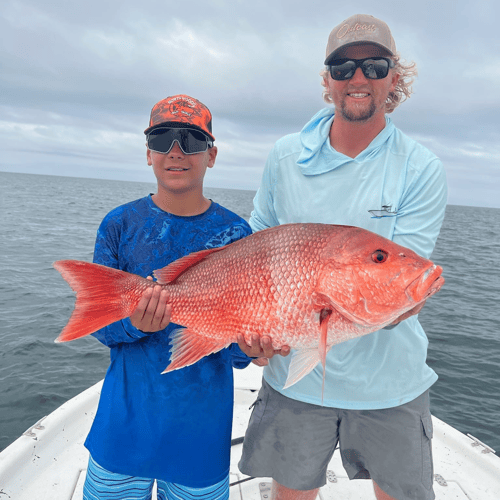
{"x": 309, "y": 286}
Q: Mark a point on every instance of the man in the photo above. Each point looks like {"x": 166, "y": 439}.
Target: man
{"x": 352, "y": 166}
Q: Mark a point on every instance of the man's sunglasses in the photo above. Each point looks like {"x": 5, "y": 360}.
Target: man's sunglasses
{"x": 374, "y": 68}
{"x": 190, "y": 140}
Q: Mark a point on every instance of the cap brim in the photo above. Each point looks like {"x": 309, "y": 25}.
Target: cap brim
{"x": 178, "y": 125}
{"x": 334, "y": 54}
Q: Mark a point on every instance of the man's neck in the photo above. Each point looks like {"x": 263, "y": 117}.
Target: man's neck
{"x": 351, "y": 138}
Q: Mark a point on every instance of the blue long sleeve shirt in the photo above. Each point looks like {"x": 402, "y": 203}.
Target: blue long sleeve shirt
{"x": 176, "y": 426}
{"x": 306, "y": 180}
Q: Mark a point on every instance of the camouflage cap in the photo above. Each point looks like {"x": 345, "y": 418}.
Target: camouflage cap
{"x": 181, "y": 110}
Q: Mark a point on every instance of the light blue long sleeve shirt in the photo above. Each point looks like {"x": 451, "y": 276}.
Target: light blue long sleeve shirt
{"x": 306, "y": 180}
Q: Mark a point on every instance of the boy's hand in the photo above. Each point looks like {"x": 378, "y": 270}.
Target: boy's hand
{"x": 152, "y": 313}
{"x": 261, "y": 349}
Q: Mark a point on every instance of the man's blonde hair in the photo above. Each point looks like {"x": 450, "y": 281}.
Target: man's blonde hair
{"x": 403, "y": 90}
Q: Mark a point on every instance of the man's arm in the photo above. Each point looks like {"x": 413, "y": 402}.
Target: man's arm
{"x": 422, "y": 210}
{"x": 263, "y": 214}
{"x": 421, "y": 216}
{"x": 261, "y": 349}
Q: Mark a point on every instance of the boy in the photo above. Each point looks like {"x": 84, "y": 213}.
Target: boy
{"x": 176, "y": 427}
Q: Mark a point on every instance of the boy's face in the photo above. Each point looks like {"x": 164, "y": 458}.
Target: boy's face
{"x": 177, "y": 172}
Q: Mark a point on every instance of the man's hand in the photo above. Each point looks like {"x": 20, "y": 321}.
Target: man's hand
{"x": 152, "y": 313}
{"x": 261, "y": 349}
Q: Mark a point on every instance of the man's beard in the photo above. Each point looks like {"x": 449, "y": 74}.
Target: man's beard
{"x": 356, "y": 115}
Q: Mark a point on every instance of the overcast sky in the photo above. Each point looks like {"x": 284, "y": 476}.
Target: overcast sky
{"x": 78, "y": 80}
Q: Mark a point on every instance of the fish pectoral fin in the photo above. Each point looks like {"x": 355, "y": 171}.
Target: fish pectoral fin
{"x": 320, "y": 301}
{"x": 188, "y": 347}
{"x": 302, "y": 363}
{"x": 323, "y": 347}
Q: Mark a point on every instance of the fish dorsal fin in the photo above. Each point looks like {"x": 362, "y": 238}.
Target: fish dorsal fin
{"x": 175, "y": 269}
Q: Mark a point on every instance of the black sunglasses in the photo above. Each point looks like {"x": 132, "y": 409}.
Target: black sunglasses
{"x": 190, "y": 140}
{"x": 374, "y": 68}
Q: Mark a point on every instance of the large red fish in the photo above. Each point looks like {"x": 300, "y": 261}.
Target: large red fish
{"x": 309, "y": 286}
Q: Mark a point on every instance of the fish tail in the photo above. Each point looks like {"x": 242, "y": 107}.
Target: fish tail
{"x": 103, "y": 295}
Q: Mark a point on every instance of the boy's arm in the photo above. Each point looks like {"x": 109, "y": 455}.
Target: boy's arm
{"x": 152, "y": 313}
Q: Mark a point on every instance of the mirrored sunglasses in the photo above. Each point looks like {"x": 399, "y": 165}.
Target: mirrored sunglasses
{"x": 374, "y": 68}
{"x": 191, "y": 141}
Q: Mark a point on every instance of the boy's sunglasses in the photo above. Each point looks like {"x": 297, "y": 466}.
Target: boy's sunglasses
{"x": 190, "y": 140}
{"x": 374, "y": 68}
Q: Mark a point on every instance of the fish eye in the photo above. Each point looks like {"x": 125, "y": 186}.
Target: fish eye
{"x": 379, "y": 256}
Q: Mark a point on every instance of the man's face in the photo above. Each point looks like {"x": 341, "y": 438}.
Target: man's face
{"x": 361, "y": 99}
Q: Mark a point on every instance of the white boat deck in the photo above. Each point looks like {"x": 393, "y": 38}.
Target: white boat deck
{"x": 49, "y": 461}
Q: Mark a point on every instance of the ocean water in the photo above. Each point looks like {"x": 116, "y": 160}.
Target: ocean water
{"x": 47, "y": 218}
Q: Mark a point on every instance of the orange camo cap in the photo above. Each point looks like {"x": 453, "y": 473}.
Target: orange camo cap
{"x": 181, "y": 109}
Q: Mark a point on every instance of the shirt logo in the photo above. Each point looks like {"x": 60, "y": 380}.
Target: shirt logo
{"x": 385, "y": 212}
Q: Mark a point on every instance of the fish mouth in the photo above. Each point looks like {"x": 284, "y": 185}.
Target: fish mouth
{"x": 427, "y": 284}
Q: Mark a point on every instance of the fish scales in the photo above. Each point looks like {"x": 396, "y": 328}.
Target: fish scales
{"x": 235, "y": 295}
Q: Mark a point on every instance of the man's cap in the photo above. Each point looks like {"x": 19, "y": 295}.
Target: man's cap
{"x": 356, "y": 30}
{"x": 181, "y": 111}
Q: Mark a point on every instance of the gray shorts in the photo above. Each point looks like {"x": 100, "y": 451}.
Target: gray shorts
{"x": 293, "y": 442}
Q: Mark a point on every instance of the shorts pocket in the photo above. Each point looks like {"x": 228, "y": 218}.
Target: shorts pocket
{"x": 427, "y": 463}
{"x": 259, "y": 407}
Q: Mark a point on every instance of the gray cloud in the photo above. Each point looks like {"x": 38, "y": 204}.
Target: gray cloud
{"x": 78, "y": 82}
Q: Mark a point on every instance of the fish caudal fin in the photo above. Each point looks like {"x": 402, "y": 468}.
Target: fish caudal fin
{"x": 189, "y": 347}
{"x": 103, "y": 295}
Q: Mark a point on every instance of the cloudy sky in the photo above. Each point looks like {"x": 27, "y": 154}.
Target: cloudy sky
{"x": 78, "y": 80}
